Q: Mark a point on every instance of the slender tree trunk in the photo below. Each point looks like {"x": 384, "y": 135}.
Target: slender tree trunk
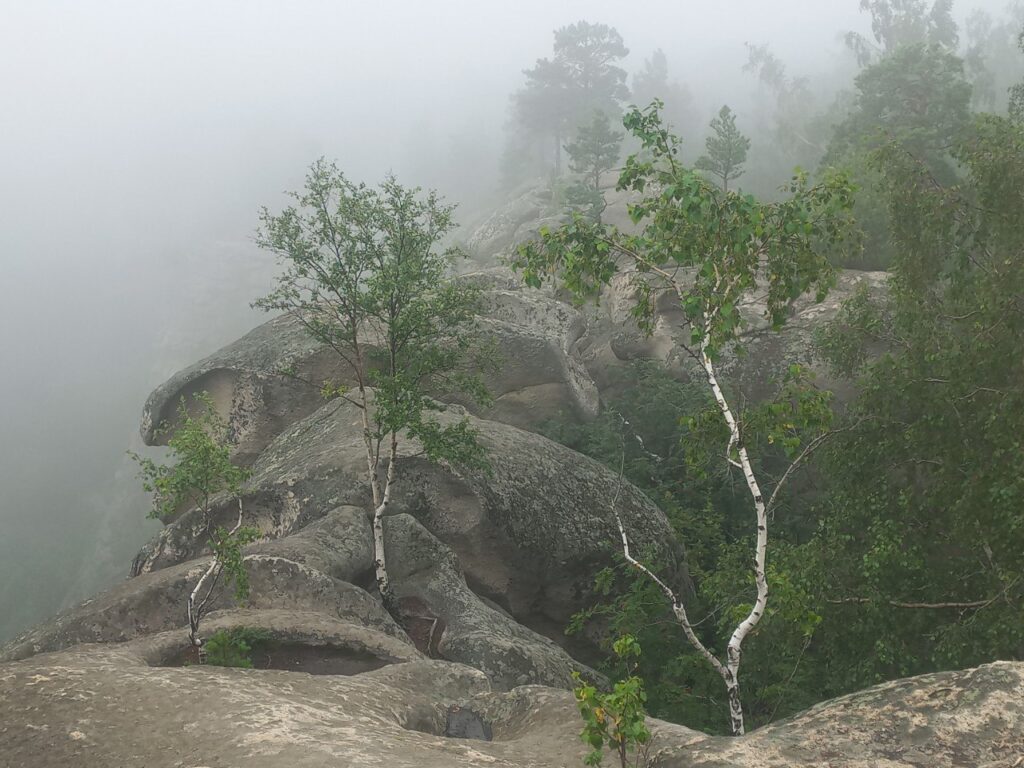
{"x": 735, "y": 647}
{"x": 729, "y": 671}
{"x": 379, "y": 553}
{"x": 194, "y": 613}
{"x": 732, "y": 687}
{"x": 197, "y": 608}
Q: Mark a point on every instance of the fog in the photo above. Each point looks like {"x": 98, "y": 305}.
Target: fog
{"x": 137, "y": 142}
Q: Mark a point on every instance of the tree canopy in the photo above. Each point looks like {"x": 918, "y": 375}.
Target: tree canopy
{"x": 363, "y": 273}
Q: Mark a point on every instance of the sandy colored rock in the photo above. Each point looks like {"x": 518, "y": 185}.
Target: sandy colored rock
{"x": 105, "y": 706}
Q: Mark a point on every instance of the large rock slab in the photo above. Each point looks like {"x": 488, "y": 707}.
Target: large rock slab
{"x": 529, "y": 534}
{"x": 107, "y": 706}
{"x": 971, "y": 718}
{"x": 306, "y": 572}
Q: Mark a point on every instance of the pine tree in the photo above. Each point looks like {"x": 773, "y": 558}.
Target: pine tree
{"x": 726, "y": 149}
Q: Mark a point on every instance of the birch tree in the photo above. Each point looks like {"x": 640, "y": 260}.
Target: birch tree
{"x": 710, "y": 250}
{"x": 363, "y": 274}
{"x": 201, "y": 473}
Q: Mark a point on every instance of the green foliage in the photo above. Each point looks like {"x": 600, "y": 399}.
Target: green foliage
{"x": 362, "y": 273}
{"x": 729, "y": 241}
{"x": 202, "y": 470}
{"x": 233, "y": 647}
{"x": 667, "y": 437}
{"x": 909, "y": 559}
{"x": 726, "y": 149}
{"x": 729, "y": 245}
{"x": 201, "y": 464}
{"x": 615, "y": 719}
{"x": 925, "y": 506}
{"x": 227, "y": 548}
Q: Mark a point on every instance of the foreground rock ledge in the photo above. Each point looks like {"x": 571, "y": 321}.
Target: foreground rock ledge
{"x": 104, "y": 705}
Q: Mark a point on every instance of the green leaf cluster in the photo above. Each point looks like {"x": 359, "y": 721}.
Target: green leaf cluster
{"x": 710, "y": 246}
{"x": 615, "y": 720}
{"x": 667, "y": 438}
{"x": 926, "y": 489}
{"x": 200, "y": 468}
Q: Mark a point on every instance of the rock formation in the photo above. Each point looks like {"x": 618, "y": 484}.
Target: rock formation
{"x": 115, "y": 705}
{"x": 487, "y": 568}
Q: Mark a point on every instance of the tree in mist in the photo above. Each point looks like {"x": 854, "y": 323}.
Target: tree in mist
{"x": 201, "y": 473}
{"x": 895, "y": 23}
{"x": 362, "y": 273}
{"x": 710, "y": 250}
{"x": 653, "y": 82}
{"x": 791, "y": 127}
{"x": 562, "y": 92}
{"x": 726, "y": 149}
{"x": 918, "y": 97}
{"x": 594, "y": 152}
{"x": 992, "y": 60}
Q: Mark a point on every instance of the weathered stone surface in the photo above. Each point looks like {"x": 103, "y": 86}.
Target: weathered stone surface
{"x": 456, "y": 625}
{"x": 496, "y": 233}
{"x": 970, "y": 718}
{"x": 244, "y": 380}
{"x": 611, "y": 338}
{"x": 105, "y": 706}
{"x": 538, "y": 373}
{"x": 530, "y": 534}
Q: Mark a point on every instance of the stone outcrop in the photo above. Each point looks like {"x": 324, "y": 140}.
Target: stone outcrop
{"x": 108, "y": 705}
{"x": 155, "y": 602}
{"x": 449, "y": 621}
{"x": 529, "y": 532}
{"x": 272, "y": 376}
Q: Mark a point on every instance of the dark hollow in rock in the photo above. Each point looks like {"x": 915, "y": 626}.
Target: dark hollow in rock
{"x": 463, "y": 723}
{"x": 298, "y": 657}
{"x": 423, "y": 627}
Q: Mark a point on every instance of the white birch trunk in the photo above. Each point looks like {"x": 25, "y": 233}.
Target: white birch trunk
{"x": 729, "y": 671}
{"x": 379, "y": 553}
{"x": 735, "y": 647}
{"x": 196, "y": 608}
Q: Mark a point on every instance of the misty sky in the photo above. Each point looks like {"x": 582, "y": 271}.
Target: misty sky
{"x": 138, "y": 139}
